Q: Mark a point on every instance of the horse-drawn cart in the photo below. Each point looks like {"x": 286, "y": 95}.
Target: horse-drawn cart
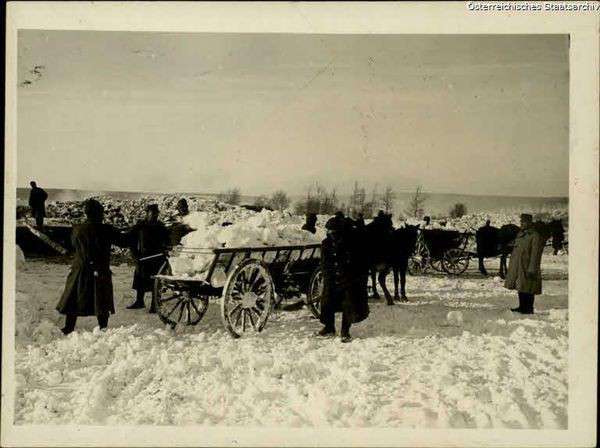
{"x": 250, "y": 282}
{"x": 442, "y": 250}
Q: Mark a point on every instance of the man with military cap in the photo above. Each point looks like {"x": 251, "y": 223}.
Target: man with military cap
{"x": 524, "y": 273}
{"x": 89, "y": 290}
{"x": 344, "y": 278}
{"x": 149, "y": 240}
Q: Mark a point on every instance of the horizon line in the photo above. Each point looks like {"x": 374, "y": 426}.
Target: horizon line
{"x": 291, "y": 195}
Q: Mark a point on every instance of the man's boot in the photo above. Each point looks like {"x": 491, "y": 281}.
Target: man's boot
{"x": 70, "y": 321}
{"x": 519, "y": 309}
{"x": 528, "y": 306}
{"x": 345, "y": 334}
{"x": 103, "y": 321}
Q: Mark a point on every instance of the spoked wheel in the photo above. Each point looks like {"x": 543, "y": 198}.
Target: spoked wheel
{"x": 247, "y": 298}
{"x": 315, "y": 290}
{"x": 175, "y": 305}
{"x": 418, "y": 263}
{"x": 455, "y": 261}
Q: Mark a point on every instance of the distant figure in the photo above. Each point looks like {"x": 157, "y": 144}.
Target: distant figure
{"x": 311, "y": 223}
{"x": 179, "y": 229}
{"x": 37, "y": 203}
{"x": 524, "y": 274}
{"x": 89, "y": 290}
{"x": 426, "y": 222}
{"x": 360, "y": 220}
{"x": 182, "y": 208}
{"x": 149, "y": 239}
{"x": 345, "y": 274}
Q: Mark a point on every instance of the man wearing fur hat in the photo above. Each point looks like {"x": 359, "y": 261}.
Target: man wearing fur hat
{"x": 344, "y": 278}
{"x": 89, "y": 290}
{"x": 524, "y": 273}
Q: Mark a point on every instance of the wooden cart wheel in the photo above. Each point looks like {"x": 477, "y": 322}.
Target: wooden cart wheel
{"x": 315, "y": 290}
{"x": 455, "y": 261}
{"x": 247, "y": 298}
{"x": 418, "y": 263}
{"x": 176, "y": 306}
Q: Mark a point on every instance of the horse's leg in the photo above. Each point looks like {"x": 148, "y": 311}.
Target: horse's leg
{"x": 382, "y": 276}
{"x": 403, "y": 268}
{"x": 481, "y": 265}
{"x": 374, "y": 283}
{"x": 395, "y": 272}
{"x": 502, "y": 266}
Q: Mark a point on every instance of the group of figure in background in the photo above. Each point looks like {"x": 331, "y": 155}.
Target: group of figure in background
{"x": 89, "y": 289}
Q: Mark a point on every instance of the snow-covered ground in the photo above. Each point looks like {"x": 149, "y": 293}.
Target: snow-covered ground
{"x": 454, "y": 356}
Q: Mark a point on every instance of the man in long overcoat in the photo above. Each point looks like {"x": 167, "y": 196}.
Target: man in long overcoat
{"x": 524, "y": 273}
{"x": 345, "y": 274}
{"x": 37, "y": 203}
{"x": 89, "y": 290}
{"x": 149, "y": 239}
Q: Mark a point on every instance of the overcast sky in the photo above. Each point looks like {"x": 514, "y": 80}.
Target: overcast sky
{"x": 205, "y": 112}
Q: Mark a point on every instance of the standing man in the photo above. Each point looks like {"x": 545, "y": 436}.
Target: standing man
{"x": 311, "y": 223}
{"x": 360, "y": 220}
{"x": 344, "y": 278}
{"x": 524, "y": 274}
{"x": 37, "y": 203}
{"x": 149, "y": 239}
{"x": 182, "y": 208}
{"x": 89, "y": 289}
{"x": 178, "y": 228}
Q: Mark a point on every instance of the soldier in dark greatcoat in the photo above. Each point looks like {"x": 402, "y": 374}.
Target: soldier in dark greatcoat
{"x": 37, "y": 203}
{"x": 345, "y": 274}
{"x": 89, "y": 289}
{"x": 149, "y": 241}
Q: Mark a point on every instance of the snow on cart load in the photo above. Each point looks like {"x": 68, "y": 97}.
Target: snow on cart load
{"x": 235, "y": 228}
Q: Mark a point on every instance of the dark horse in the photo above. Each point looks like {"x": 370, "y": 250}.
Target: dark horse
{"x": 493, "y": 242}
{"x": 389, "y": 250}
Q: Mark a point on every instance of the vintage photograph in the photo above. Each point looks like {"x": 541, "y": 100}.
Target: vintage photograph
{"x": 295, "y": 230}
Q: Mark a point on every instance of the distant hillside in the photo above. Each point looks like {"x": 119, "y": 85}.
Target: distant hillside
{"x": 437, "y": 203}
{"x": 58, "y": 194}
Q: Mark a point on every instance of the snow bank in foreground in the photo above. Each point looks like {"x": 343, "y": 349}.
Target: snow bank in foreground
{"x": 515, "y": 378}
{"x": 236, "y": 228}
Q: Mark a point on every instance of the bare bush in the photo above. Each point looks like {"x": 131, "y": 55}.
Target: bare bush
{"x": 416, "y": 203}
{"x": 387, "y": 199}
{"x": 279, "y": 200}
{"x": 458, "y": 210}
{"x": 232, "y": 196}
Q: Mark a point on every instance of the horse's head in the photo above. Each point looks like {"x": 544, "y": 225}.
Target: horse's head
{"x": 407, "y": 236}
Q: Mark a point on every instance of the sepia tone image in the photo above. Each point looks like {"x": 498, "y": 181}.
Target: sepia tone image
{"x": 292, "y": 230}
